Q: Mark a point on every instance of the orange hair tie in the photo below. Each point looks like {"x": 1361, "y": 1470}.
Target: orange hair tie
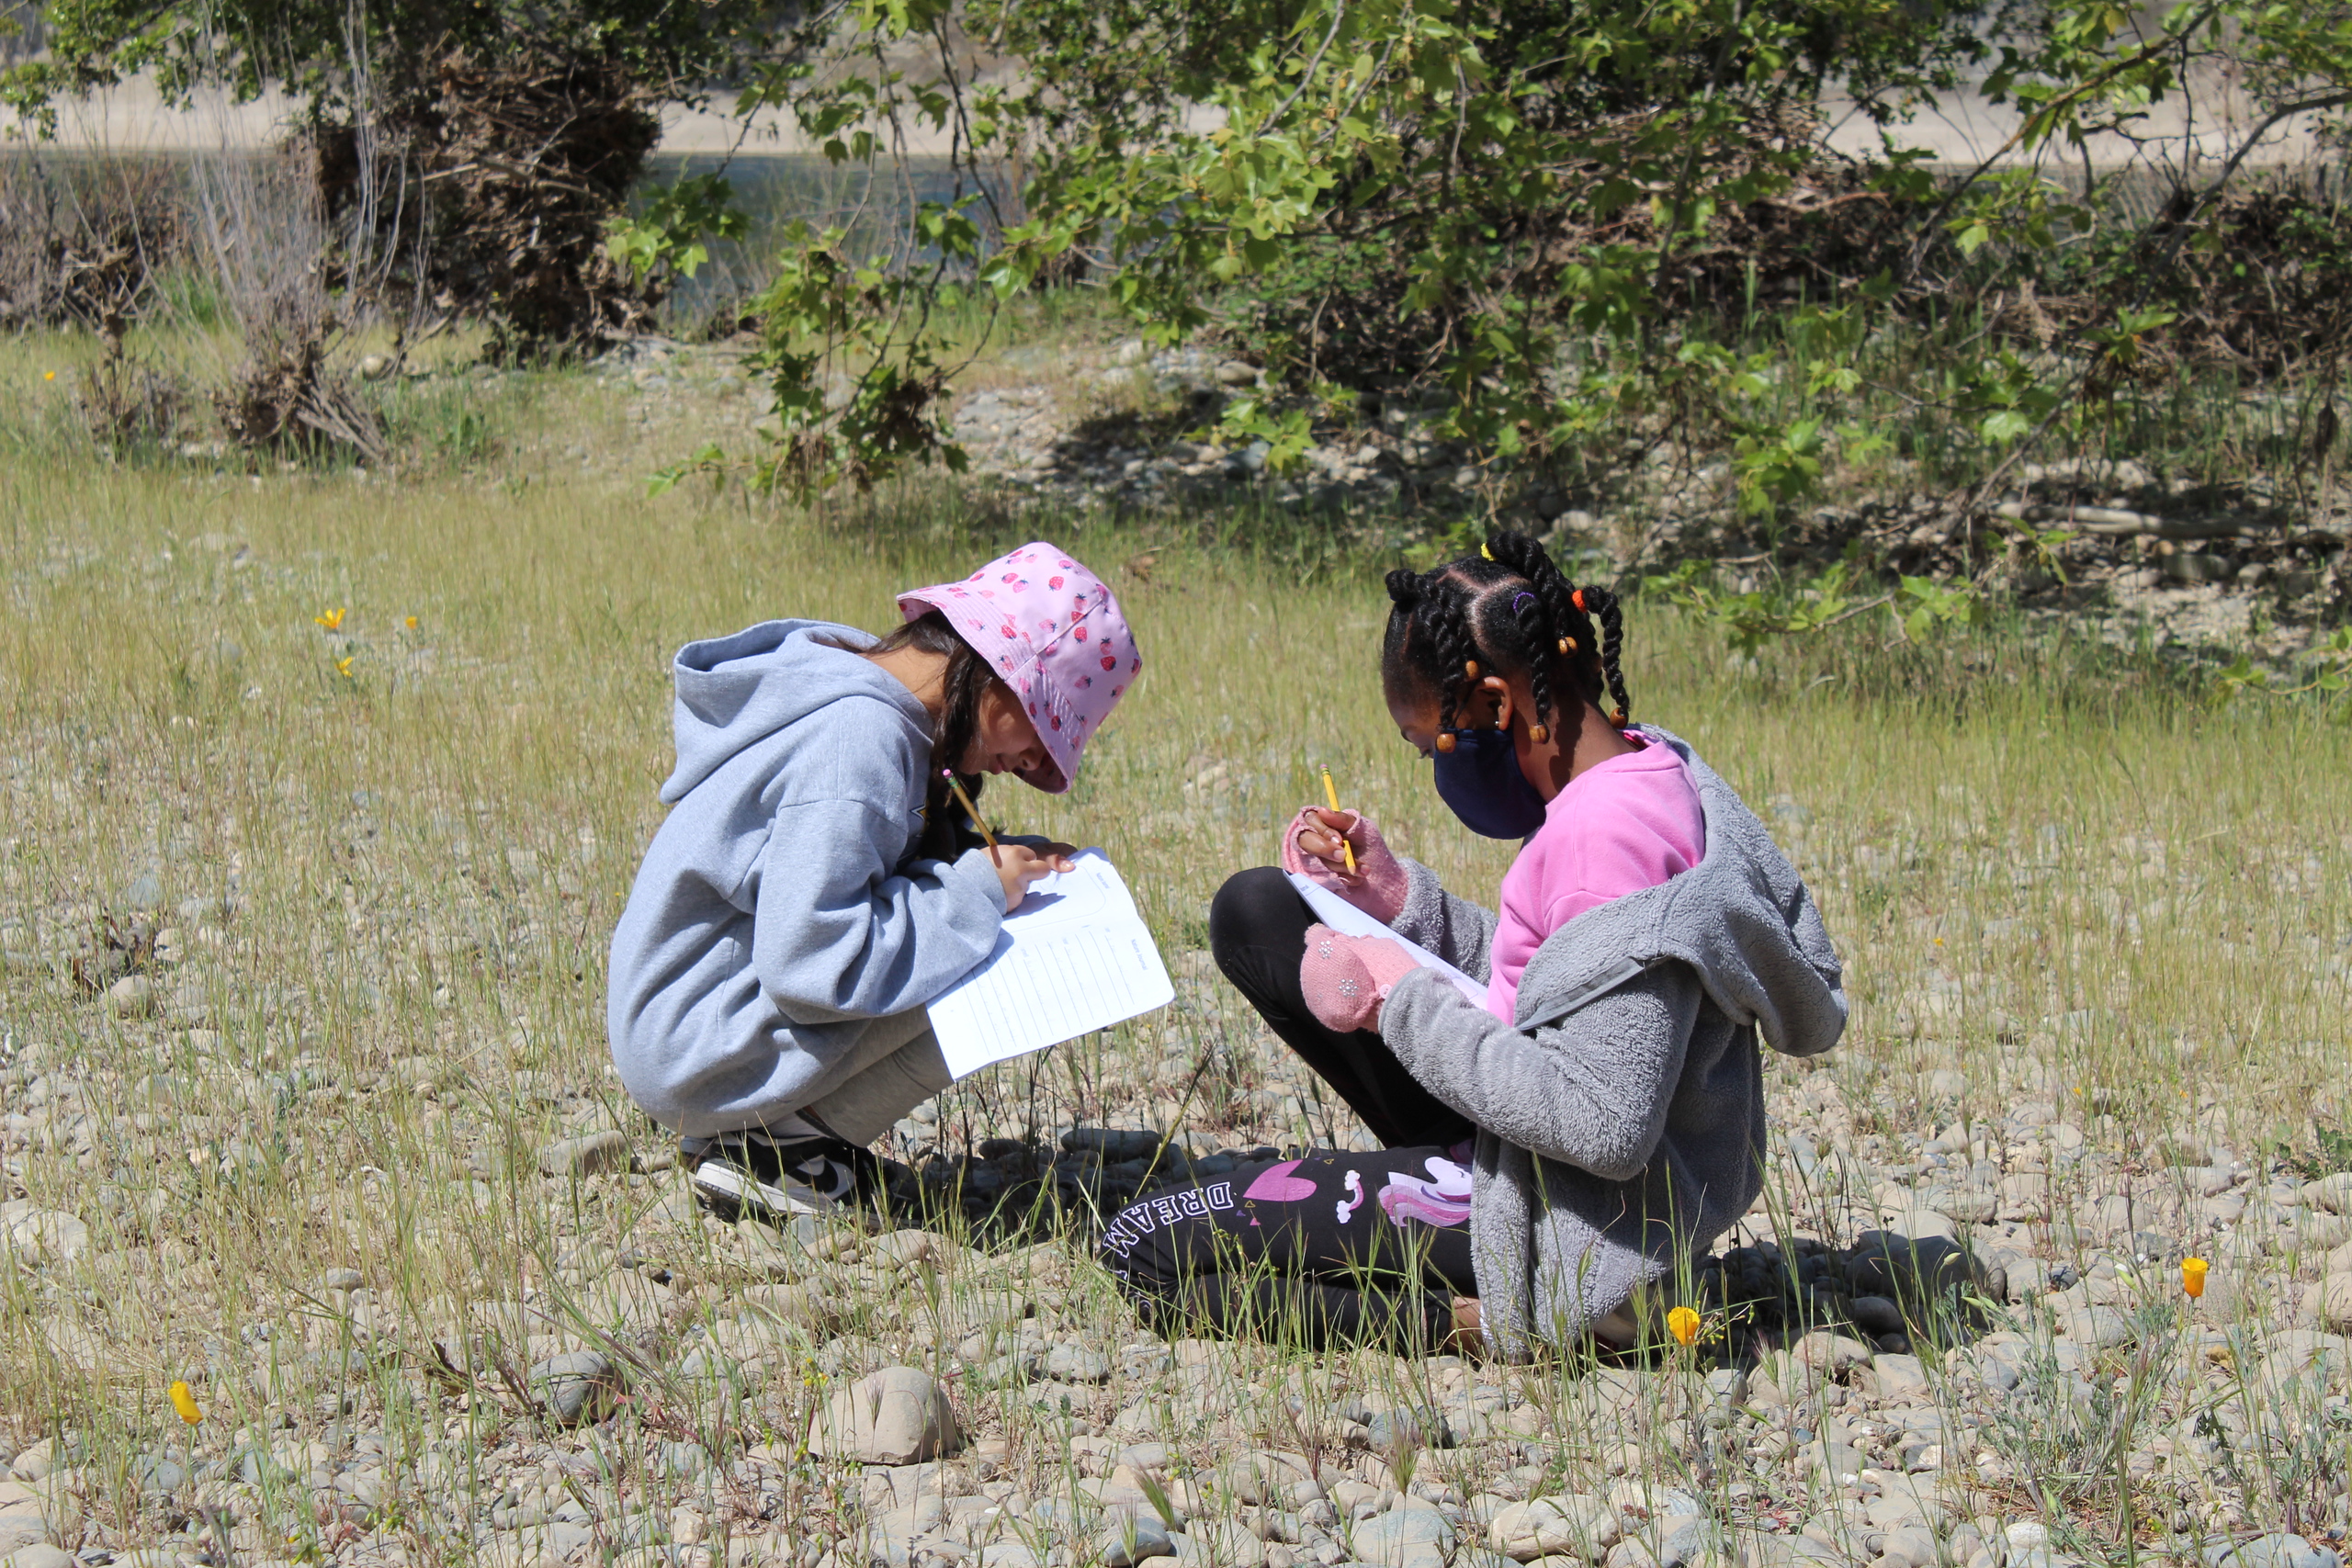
{"x": 1577, "y": 598}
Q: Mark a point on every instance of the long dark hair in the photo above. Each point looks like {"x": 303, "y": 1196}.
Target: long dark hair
{"x": 966, "y": 682}
{"x": 1509, "y": 610}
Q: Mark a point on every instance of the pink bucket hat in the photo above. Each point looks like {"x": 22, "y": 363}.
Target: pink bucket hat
{"x": 1054, "y": 635}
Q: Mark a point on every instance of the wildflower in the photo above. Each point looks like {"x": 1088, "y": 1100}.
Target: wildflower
{"x": 343, "y": 666}
{"x": 185, "y": 1403}
{"x": 48, "y": 375}
{"x": 1683, "y": 1323}
{"x": 411, "y": 623}
{"x": 2192, "y": 1276}
{"x": 332, "y": 619}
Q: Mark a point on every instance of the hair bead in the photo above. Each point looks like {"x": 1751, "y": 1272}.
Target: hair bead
{"x": 1618, "y": 718}
{"x": 1568, "y": 645}
{"x": 1446, "y": 741}
{"x": 1539, "y": 733}
{"x": 1470, "y": 668}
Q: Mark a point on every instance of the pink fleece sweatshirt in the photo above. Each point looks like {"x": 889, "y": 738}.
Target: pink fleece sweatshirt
{"x": 1622, "y": 825}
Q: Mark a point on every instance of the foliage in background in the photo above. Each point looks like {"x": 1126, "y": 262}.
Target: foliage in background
{"x": 1562, "y": 221}
{"x": 487, "y": 146}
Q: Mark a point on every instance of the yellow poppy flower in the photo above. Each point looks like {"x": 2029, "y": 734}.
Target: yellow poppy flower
{"x": 2192, "y": 1276}
{"x": 1683, "y": 1323}
{"x": 183, "y": 1402}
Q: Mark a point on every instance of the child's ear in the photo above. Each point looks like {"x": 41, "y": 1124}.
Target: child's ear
{"x": 1492, "y": 701}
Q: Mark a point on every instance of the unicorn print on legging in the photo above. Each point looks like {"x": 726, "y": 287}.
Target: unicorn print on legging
{"x": 1444, "y": 1199}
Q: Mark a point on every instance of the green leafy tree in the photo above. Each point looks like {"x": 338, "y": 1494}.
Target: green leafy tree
{"x": 488, "y": 144}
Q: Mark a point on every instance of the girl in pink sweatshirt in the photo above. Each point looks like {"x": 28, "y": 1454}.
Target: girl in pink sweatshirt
{"x": 1507, "y": 676}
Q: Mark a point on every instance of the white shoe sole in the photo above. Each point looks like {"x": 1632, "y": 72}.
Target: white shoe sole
{"x": 725, "y": 1184}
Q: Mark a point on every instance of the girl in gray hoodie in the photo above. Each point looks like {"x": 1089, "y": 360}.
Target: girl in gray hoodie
{"x": 1598, "y": 1120}
{"x": 813, "y": 889}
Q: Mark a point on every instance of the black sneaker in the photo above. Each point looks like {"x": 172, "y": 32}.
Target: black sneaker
{"x": 751, "y": 1174}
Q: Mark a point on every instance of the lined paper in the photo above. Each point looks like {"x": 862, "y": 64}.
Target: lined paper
{"x": 1074, "y": 958}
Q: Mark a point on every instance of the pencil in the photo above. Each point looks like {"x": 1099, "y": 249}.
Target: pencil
{"x": 973, "y": 813}
{"x": 1332, "y": 793}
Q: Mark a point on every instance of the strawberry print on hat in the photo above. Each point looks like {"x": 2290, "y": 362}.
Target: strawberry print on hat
{"x": 1075, "y": 626}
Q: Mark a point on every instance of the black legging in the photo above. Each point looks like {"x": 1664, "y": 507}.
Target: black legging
{"x": 1331, "y": 1248}
{"x": 1258, "y": 933}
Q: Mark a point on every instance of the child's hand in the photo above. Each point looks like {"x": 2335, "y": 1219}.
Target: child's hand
{"x": 1018, "y": 865}
{"x": 1346, "y": 978}
{"x": 1311, "y": 846}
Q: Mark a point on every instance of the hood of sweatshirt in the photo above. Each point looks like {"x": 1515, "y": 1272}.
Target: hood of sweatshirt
{"x": 1742, "y": 918}
{"x": 734, "y": 692}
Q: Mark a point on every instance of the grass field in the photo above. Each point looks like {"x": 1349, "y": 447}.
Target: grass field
{"x": 319, "y": 797}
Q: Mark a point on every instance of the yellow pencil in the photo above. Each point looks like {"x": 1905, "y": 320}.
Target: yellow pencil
{"x": 973, "y": 813}
{"x": 1332, "y": 793}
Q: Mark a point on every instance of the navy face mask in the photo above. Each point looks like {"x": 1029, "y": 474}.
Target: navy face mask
{"x": 1481, "y": 781}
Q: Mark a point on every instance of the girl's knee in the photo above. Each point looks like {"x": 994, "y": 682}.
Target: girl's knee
{"x": 1258, "y": 907}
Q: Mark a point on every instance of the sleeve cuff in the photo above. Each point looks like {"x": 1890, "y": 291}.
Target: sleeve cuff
{"x": 973, "y": 874}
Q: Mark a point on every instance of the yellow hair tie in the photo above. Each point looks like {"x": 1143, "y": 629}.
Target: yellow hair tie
{"x": 1486, "y": 552}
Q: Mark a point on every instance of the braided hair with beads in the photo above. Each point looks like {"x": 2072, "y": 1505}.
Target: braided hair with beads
{"x": 1507, "y": 610}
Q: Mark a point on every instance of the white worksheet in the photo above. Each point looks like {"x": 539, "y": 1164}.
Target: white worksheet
{"x": 1074, "y": 958}
{"x": 1348, "y": 920}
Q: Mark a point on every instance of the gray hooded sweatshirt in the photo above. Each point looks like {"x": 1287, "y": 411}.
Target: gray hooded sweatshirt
{"x": 779, "y": 909}
{"x": 1620, "y": 1114}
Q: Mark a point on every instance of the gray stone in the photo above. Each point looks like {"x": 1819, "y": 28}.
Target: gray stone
{"x": 1113, "y": 1143}
{"x": 2281, "y": 1550}
{"x": 1404, "y": 1538}
{"x": 1973, "y": 1205}
{"x": 157, "y": 1474}
{"x": 1878, "y": 1314}
{"x": 588, "y": 1156}
{"x": 21, "y": 1530}
{"x": 790, "y": 1306}
{"x": 575, "y": 1387}
{"x": 2096, "y": 1328}
{"x": 2114, "y": 1215}
{"x": 50, "y": 1234}
{"x": 1828, "y": 1352}
{"x": 1388, "y": 1430}
{"x": 1128, "y": 1536}
{"x": 684, "y": 1459}
{"x": 1549, "y": 1527}
{"x": 133, "y": 996}
{"x": 897, "y": 1415}
{"x": 2332, "y": 1192}
{"x": 1075, "y": 1363}
{"x": 40, "y": 1554}
{"x": 2333, "y": 1302}
{"x": 1910, "y": 1546}
{"x": 1219, "y": 1544}
{"x": 1234, "y": 373}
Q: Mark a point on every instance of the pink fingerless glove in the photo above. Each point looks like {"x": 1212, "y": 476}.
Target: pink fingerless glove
{"x": 1347, "y": 977}
{"x": 1378, "y": 888}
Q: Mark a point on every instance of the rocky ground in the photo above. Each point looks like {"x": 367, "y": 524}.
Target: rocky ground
{"x": 1933, "y": 1342}
{"x": 313, "y": 827}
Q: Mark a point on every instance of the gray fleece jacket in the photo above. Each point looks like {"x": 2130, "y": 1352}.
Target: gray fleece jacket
{"x": 1621, "y": 1115}
{"x": 780, "y": 906}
